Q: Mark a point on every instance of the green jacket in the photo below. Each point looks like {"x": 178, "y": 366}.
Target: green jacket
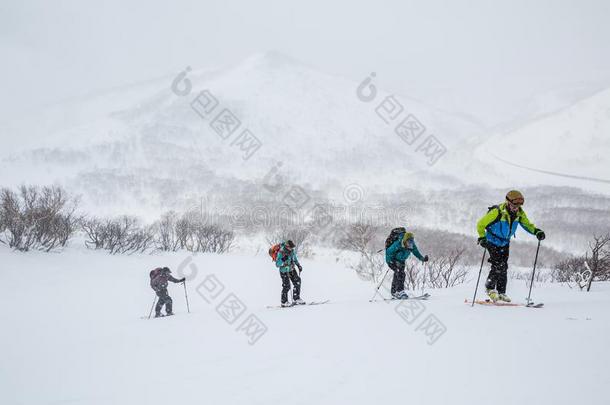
{"x": 498, "y": 227}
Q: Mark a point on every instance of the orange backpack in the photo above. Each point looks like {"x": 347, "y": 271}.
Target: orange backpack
{"x": 273, "y": 251}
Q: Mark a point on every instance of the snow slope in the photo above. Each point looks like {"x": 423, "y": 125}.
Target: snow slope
{"x": 72, "y": 333}
{"x": 570, "y": 148}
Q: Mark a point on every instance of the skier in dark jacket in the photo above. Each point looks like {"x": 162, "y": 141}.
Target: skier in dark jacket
{"x": 395, "y": 256}
{"x": 495, "y": 230}
{"x": 159, "y": 278}
{"x": 286, "y": 261}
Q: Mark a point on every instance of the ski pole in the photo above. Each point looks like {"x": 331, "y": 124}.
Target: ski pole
{"x": 186, "y": 297}
{"x": 153, "y": 305}
{"x": 379, "y": 286}
{"x": 423, "y": 284}
{"x": 479, "y": 278}
{"x": 533, "y": 272}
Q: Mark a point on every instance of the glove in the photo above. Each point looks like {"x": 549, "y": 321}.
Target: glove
{"x": 540, "y": 234}
{"x": 182, "y": 280}
{"x": 425, "y": 259}
{"x": 482, "y": 241}
{"x": 300, "y": 267}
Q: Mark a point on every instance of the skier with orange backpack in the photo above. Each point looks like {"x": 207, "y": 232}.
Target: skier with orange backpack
{"x": 285, "y": 258}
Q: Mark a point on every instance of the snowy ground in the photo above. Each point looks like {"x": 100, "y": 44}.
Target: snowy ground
{"x": 72, "y": 333}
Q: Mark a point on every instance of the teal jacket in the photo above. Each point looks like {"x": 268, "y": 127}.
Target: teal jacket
{"x": 398, "y": 253}
{"x": 286, "y": 260}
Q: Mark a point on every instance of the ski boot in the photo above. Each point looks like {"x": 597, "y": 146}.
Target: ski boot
{"x": 493, "y": 295}
{"x": 298, "y": 301}
{"x": 400, "y": 295}
{"x": 169, "y": 314}
{"x": 286, "y": 304}
{"x": 159, "y": 315}
{"x": 503, "y": 297}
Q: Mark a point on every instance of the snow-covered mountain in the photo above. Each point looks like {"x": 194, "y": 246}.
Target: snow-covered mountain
{"x": 568, "y": 148}
{"x": 143, "y": 148}
{"x": 130, "y": 140}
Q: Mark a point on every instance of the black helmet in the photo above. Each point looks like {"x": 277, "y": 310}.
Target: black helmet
{"x": 290, "y": 244}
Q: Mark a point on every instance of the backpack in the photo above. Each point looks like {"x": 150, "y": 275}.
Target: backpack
{"x": 494, "y": 207}
{"x": 155, "y": 280}
{"x": 394, "y": 235}
{"x": 274, "y": 250}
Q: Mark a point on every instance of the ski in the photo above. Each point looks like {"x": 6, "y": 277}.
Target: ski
{"x": 415, "y": 297}
{"x": 158, "y": 317}
{"x": 298, "y": 305}
{"x": 505, "y": 304}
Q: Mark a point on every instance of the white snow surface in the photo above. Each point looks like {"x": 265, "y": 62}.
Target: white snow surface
{"x": 73, "y": 333}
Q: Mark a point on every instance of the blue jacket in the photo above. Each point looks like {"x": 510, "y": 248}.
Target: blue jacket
{"x": 286, "y": 260}
{"x": 398, "y": 253}
{"x": 498, "y": 227}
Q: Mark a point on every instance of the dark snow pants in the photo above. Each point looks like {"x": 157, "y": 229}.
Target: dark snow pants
{"x": 296, "y": 282}
{"x": 398, "y": 281}
{"x": 498, "y": 257}
{"x": 164, "y": 299}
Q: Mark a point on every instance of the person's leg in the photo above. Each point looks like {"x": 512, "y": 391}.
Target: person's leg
{"x": 296, "y": 283}
{"x": 285, "y": 286}
{"x": 495, "y": 259}
{"x": 393, "y": 267}
{"x": 398, "y": 280}
{"x": 161, "y": 294}
{"x": 168, "y": 304}
{"x": 400, "y": 273}
{"x": 502, "y": 269}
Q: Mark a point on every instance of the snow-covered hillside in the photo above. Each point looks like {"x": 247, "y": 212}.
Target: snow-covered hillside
{"x": 73, "y": 333}
{"x": 570, "y": 147}
{"x": 137, "y": 141}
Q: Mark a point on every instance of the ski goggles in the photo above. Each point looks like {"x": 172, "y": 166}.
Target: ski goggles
{"x": 514, "y": 205}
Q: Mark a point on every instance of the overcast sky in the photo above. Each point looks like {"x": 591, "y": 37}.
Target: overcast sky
{"x": 482, "y": 55}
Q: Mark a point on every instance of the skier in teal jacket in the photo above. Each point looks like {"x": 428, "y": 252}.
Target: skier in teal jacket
{"x": 286, "y": 261}
{"x": 395, "y": 256}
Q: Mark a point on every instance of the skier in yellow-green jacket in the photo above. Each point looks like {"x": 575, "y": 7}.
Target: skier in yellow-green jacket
{"x": 495, "y": 230}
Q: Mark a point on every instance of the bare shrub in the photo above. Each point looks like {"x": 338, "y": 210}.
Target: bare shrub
{"x": 361, "y": 238}
{"x": 583, "y": 270}
{"x": 299, "y": 235}
{"x": 166, "y": 233}
{"x": 598, "y": 259}
{"x": 193, "y": 234}
{"x": 445, "y": 271}
{"x": 123, "y": 235}
{"x": 572, "y": 271}
{"x": 42, "y": 218}
{"x": 414, "y": 276}
{"x": 212, "y": 238}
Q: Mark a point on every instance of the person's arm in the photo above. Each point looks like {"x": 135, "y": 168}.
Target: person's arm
{"x": 175, "y": 280}
{"x": 486, "y": 220}
{"x": 418, "y": 254}
{"x": 529, "y": 226}
{"x": 295, "y": 260}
